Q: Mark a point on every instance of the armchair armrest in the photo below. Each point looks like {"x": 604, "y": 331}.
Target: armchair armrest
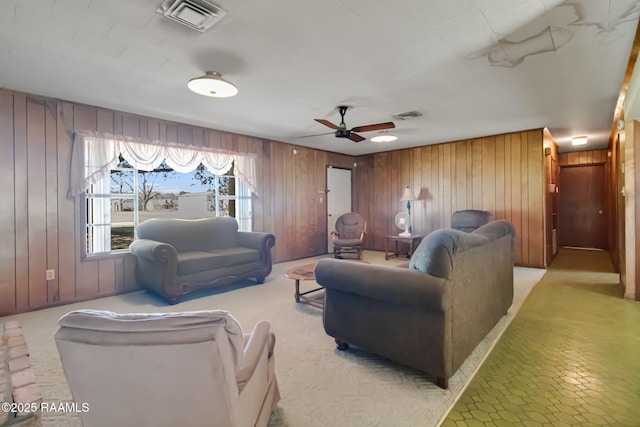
{"x": 401, "y": 286}
{"x": 253, "y": 349}
{"x": 153, "y": 250}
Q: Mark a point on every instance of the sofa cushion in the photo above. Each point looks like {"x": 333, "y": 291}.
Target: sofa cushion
{"x": 434, "y": 255}
{"x": 237, "y": 256}
{"x": 496, "y": 229}
{"x": 469, "y": 219}
{"x": 193, "y": 262}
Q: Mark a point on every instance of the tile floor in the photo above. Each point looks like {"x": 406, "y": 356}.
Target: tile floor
{"x": 571, "y": 356}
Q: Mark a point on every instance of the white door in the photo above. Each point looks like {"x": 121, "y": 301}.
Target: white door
{"x": 338, "y": 198}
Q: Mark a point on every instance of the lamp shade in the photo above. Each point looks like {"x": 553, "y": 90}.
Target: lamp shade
{"x": 407, "y": 195}
{"x": 212, "y": 84}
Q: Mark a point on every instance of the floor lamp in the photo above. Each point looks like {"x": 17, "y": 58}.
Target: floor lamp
{"x": 408, "y": 196}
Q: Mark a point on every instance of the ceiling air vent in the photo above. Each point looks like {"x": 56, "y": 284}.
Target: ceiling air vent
{"x": 197, "y": 14}
{"x": 407, "y": 115}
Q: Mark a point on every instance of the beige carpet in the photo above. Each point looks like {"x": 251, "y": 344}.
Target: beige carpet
{"x": 320, "y": 385}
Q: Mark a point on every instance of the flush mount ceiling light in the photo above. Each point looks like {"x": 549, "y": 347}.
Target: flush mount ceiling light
{"x": 212, "y": 84}
{"x": 384, "y": 137}
{"x": 579, "y": 140}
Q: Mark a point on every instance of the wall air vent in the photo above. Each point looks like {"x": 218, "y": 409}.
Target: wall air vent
{"x": 407, "y": 115}
{"x": 197, "y": 14}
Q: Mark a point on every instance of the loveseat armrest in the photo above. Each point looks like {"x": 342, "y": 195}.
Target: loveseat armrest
{"x": 256, "y": 240}
{"x": 153, "y": 250}
{"x": 400, "y": 286}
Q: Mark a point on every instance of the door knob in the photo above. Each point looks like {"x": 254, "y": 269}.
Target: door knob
{"x": 601, "y": 212}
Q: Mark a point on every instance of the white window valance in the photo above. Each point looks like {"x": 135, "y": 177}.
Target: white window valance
{"x": 95, "y": 154}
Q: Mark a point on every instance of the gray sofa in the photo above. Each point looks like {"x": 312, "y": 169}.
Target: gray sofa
{"x": 177, "y": 256}
{"x": 431, "y": 315}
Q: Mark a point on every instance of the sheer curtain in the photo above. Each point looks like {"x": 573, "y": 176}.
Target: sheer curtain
{"x": 94, "y": 154}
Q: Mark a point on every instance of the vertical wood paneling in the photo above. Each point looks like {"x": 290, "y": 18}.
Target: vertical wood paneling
{"x": 447, "y": 177}
{"x": 36, "y": 202}
{"x": 582, "y": 157}
{"x": 516, "y": 193}
{"x": 21, "y": 201}
{"x": 524, "y": 194}
{"x": 476, "y": 146}
{"x": 508, "y": 181}
{"x": 68, "y": 223}
{"x": 500, "y": 178}
{"x": 51, "y": 201}
{"x": 488, "y": 174}
{"x": 502, "y": 174}
{"x": 8, "y": 254}
{"x": 461, "y": 175}
{"x": 535, "y": 191}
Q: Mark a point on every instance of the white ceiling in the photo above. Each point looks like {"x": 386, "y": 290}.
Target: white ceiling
{"x": 471, "y": 67}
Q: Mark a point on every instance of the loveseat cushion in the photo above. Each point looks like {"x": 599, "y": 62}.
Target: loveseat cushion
{"x": 191, "y": 235}
{"x": 196, "y": 261}
{"x": 237, "y": 256}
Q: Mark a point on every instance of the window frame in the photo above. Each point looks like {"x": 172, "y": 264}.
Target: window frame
{"x": 242, "y": 193}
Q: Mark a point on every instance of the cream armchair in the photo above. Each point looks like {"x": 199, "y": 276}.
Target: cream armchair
{"x": 168, "y": 369}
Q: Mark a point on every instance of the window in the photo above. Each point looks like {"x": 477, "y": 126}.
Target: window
{"x": 127, "y": 196}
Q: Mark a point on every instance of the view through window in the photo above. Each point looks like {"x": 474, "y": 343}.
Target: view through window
{"x": 128, "y": 197}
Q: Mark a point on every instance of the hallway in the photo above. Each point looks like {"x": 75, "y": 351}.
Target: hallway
{"x": 571, "y": 356}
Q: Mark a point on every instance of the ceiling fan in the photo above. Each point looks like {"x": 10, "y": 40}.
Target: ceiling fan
{"x": 343, "y": 132}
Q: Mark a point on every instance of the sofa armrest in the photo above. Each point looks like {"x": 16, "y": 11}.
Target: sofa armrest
{"x": 153, "y": 250}
{"x": 395, "y": 285}
{"x": 253, "y": 350}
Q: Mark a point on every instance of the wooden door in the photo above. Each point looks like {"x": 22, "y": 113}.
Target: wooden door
{"x": 582, "y": 219}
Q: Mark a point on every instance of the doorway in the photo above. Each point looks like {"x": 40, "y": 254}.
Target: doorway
{"x": 338, "y": 198}
{"x": 582, "y": 218}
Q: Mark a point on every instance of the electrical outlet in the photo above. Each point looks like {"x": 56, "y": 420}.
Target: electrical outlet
{"x": 51, "y": 274}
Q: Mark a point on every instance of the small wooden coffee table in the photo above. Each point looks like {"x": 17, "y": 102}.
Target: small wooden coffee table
{"x": 303, "y": 272}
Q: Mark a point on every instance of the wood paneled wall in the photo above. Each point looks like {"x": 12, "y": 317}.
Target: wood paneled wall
{"x": 586, "y": 157}
{"x": 41, "y": 229}
{"x": 551, "y": 172}
{"x": 502, "y": 174}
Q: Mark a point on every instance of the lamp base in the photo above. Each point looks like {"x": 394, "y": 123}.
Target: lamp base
{"x": 404, "y": 234}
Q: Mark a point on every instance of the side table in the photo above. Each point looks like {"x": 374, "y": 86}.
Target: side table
{"x": 413, "y": 241}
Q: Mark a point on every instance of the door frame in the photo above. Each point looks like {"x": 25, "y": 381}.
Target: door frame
{"x": 327, "y": 191}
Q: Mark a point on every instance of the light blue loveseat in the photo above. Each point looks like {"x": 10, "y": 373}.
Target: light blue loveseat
{"x": 177, "y": 256}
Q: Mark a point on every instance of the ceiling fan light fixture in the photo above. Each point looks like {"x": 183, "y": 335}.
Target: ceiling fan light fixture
{"x": 579, "y": 140}
{"x": 385, "y": 137}
{"x": 212, "y": 84}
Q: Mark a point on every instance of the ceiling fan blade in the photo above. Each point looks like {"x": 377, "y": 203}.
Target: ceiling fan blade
{"x": 326, "y": 123}
{"x": 355, "y": 137}
{"x": 377, "y": 126}
{"x": 316, "y": 134}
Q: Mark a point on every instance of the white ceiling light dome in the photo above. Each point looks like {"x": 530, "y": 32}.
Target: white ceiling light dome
{"x": 384, "y": 137}
{"x": 579, "y": 140}
{"x": 212, "y": 84}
